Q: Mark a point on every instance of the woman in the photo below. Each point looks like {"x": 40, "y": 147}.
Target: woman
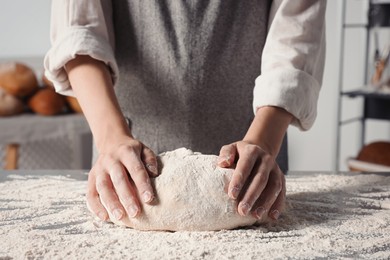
{"x": 186, "y": 74}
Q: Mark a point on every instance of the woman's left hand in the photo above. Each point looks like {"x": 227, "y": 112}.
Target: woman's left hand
{"x": 257, "y": 182}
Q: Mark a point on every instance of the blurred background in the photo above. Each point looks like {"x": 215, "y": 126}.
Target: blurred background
{"x": 354, "y": 51}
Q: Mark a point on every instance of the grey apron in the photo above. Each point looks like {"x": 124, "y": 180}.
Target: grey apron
{"x": 187, "y": 70}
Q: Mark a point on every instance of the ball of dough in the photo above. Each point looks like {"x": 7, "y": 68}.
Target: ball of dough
{"x": 47, "y": 102}
{"x": 190, "y": 195}
{"x": 10, "y": 105}
{"x": 18, "y": 79}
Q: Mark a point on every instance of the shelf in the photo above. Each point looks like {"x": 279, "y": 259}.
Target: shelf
{"x": 27, "y": 128}
{"x": 376, "y": 104}
{"x": 377, "y": 108}
{"x": 355, "y": 25}
{"x": 368, "y": 93}
{"x": 31, "y": 141}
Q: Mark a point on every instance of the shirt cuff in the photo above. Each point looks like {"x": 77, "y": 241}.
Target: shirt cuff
{"x": 77, "y": 41}
{"x": 293, "y": 90}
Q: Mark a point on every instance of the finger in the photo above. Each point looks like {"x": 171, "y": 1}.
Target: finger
{"x": 243, "y": 169}
{"x": 256, "y": 187}
{"x": 268, "y": 196}
{"x": 227, "y": 155}
{"x": 108, "y": 196}
{"x": 150, "y": 161}
{"x": 279, "y": 203}
{"x": 124, "y": 189}
{"x": 93, "y": 201}
{"x": 139, "y": 175}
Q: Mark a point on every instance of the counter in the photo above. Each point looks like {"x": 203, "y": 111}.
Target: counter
{"x": 43, "y": 215}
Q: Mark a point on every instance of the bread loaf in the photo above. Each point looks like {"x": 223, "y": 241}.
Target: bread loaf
{"x": 17, "y": 79}
{"x": 74, "y": 104}
{"x": 10, "y": 105}
{"x": 377, "y": 152}
{"x": 47, "y": 82}
{"x": 47, "y": 102}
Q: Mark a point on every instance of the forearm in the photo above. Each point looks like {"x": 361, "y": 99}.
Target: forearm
{"x": 92, "y": 85}
{"x": 268, "y": 128}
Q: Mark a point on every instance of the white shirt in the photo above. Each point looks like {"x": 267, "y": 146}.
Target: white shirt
{"x": 292, "y": 59}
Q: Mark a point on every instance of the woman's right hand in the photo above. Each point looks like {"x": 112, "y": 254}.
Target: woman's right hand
{"x": 120, "y": 178}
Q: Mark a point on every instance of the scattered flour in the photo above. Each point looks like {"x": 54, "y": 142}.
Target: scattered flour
{"x": 43, "y": 216}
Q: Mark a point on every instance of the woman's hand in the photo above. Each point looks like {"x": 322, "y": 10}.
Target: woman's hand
{"x": 257, "y": 182}
{"x": 120, "y": 179}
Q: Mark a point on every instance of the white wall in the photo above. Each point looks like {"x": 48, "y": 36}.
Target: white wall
{"x": 313, "y": 150}
{"x": 24, "y": 30}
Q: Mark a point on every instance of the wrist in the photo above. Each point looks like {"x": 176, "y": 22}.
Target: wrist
{"x": 92, "y": 85}
{"x": 111, "y": 133}
{"x": 268, "y": 128}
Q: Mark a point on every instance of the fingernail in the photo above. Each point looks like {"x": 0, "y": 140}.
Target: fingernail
{"x": 147, "y": 196}
{"x": 260, "y": 212}
{"x": 244, "y": 208}
{"x": 118, "y": 214}
{"x": 101, "y": 215}
{"x": 275, "y": 214}
{"x": 152, "y": 168}
{"x": 234, "y": 192}
{"x": 223, "y": 161}
{"x": 132, "y": 211}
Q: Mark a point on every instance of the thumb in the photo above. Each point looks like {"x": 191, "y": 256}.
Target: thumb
{"x": 227, "y": 155}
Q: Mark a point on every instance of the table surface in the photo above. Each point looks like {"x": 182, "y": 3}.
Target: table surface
{"x": 347, "y": 215}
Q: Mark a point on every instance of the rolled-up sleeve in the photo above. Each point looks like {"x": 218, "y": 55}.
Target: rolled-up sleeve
{"x": 79, "y": 28}
{"x": 293, "y": 60}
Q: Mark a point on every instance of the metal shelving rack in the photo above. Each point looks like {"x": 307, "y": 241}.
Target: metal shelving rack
{"x": 375, "y": 105}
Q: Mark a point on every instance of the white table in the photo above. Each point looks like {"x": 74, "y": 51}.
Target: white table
{"x": 43, "y": 215}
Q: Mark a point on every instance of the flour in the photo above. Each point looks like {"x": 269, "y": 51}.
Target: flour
{"x": 190, "y": 196}
{"x": 327, "y": 216}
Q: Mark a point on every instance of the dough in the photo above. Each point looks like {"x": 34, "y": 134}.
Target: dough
{"x": 190, "y": 196}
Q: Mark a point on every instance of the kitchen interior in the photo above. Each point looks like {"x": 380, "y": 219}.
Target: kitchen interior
{"x": 338, "y": 184}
